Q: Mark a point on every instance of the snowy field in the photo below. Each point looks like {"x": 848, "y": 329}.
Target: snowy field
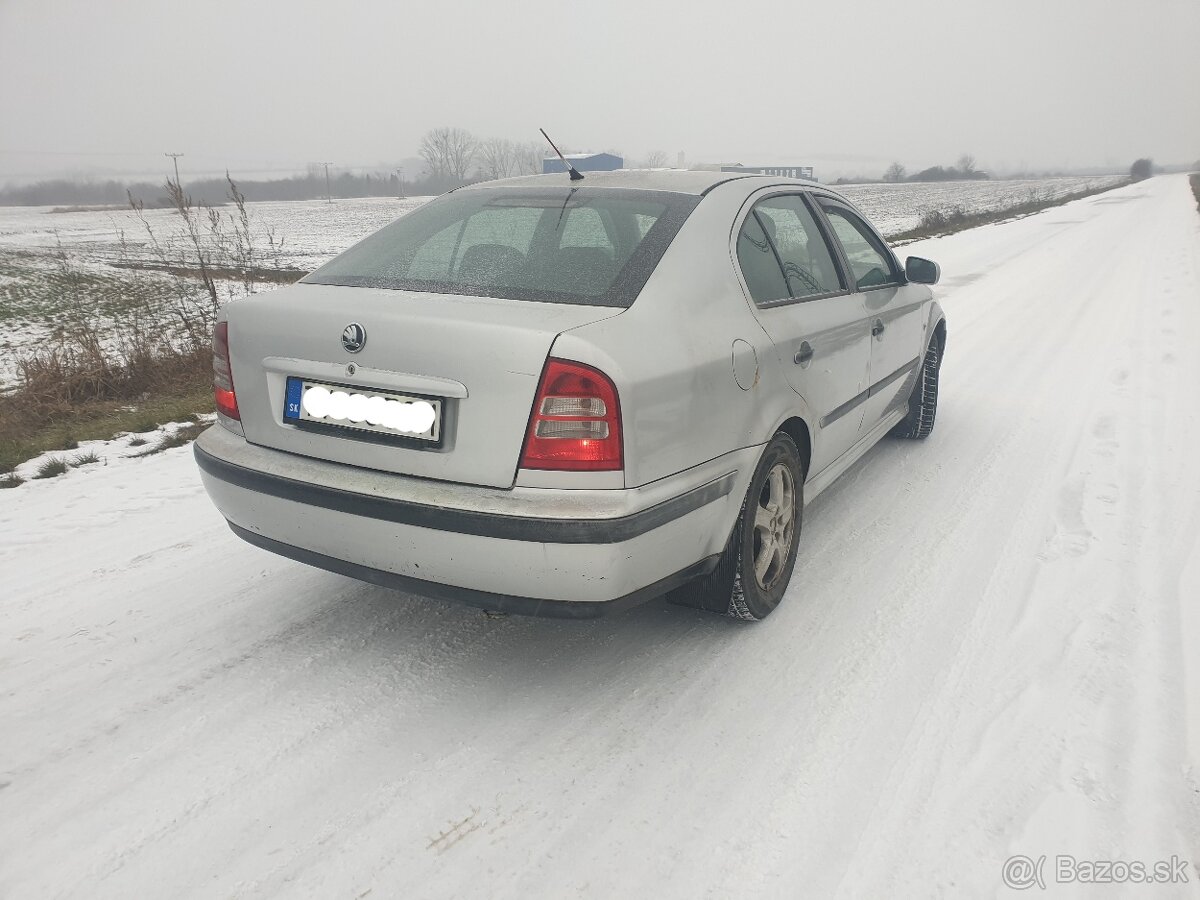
{"x": 312, "y": 231}
{"x": 37, "y": 244}
{"x": 305, "y": 234}
{"x": 991, "y": 647}
{"x": 894, "y": 208}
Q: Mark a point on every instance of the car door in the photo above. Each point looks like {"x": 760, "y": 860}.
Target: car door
{"x": 893, "y": 306}
{"x": 819, "y": 326}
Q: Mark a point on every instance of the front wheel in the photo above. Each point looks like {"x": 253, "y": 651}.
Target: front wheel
{"x": 756, "y": 565}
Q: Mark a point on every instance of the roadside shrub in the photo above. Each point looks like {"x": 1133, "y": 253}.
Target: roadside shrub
{"x": 1141, "y": 169}
{"x": 939, "y": 219}
{"x": 77, "y": 370}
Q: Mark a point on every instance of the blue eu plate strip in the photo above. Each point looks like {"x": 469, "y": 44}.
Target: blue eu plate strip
{"x": 291, "y": 409}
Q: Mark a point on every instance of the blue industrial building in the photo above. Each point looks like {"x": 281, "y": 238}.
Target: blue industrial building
{"x": 584, "y": 162}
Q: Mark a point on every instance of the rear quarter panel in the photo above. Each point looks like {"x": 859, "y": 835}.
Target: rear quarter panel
{"x": 671, "y": 355}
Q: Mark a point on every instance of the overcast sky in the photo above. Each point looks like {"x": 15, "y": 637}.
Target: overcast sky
{"x": 95, "y": 85}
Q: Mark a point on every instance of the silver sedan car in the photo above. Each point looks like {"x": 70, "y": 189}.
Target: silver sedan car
{"x": 563, "y": 397}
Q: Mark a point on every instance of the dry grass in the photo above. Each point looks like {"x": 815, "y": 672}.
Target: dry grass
{"x": 52, "y": 467}
{"x": 178, "y": 438}
{"x": 84, "y": 459}
{"x": 80, "y": 389}
{"x": 77, "y": 371}
{"x": 23, "y": 437}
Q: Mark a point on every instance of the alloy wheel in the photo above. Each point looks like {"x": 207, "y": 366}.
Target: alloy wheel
{"x": 774, "y": 522}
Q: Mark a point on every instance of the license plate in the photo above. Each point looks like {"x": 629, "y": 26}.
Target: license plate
{"x": 351, "y": 408}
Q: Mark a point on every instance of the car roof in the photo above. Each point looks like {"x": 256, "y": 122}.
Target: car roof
{"x": 681, "y": 181}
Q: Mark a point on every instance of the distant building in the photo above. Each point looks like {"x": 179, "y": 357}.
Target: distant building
{"x": 805, "y": 172}
{"x": 584, "y": 162}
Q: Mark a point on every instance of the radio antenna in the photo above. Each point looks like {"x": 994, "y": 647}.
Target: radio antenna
{"x": 575, "y": 174}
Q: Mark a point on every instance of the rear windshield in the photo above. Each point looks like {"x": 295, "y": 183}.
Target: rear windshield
{"x": 594, "y": 246}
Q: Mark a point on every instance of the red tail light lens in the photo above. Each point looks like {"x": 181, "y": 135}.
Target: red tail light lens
{"x": 575, "y": 424}
{"x": 222, "y": 374}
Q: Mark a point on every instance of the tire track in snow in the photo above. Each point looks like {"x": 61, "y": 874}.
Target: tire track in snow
{"x": 1052, "y": 730}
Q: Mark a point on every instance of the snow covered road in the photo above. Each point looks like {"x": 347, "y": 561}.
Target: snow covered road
{"x": 991, "y": 647}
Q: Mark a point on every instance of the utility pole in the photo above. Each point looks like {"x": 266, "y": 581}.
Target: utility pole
{"x": 175, "y": 159}
{"x": 328, "y": 192}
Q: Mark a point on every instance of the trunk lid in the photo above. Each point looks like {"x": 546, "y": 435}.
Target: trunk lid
{"x": 481, "y": 357}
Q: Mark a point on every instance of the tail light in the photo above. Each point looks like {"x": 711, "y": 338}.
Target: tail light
{"x": 575, "y": 424}
{"x": 223, "y": 375}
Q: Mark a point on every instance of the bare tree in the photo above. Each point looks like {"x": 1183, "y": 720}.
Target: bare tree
{"x": 655, "y": 159}
{"x": 492, "y": 157}
{"x": 499, "y": 158}
{"x": 894, "y": 174}
{"x": 449, "y": 152}
{"x": 528, "y": 157}
{"x": 966, "y": 164}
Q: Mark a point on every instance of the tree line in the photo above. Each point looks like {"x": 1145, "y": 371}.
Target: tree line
{"x": 451, "y": 156}
{"x": 214, "y": 191}
{"x": 964, "y": 170}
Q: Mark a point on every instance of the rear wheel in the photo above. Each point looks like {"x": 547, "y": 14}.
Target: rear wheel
{"x": 756, "y": 565}
{"x": 922, "y": 404}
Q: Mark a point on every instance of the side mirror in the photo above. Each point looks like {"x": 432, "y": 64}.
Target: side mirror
{"x": 922, "y": 271}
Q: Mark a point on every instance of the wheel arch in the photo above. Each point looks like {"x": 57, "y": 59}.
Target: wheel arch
{"x": 937, "y": 327}
{"x": 797, "y": 429}
{"x": 939, "y": 335}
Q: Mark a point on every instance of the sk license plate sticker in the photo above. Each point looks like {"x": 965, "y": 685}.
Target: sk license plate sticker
{"x": 358, "y": 409}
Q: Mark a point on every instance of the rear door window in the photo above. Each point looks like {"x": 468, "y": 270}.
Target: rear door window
{"x": 782, "y": 253}
{"x": 807, "y": 263}
{"x": 760, "y": 263}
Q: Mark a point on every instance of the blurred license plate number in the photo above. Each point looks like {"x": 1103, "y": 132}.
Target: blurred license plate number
{"x": 362, "y": 409}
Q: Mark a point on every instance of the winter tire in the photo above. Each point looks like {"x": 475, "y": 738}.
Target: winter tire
{"x": 756, "y": 565}
{"x": 922, "y": 403}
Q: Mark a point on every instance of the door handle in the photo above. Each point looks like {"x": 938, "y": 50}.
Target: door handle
{"x": 804, "y": 355}
{"x": 877, "y": 328}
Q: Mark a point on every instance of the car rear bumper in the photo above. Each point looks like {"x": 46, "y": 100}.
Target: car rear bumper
{"x": 529, "y": 550}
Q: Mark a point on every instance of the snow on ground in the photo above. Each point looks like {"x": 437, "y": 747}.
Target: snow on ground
{"x": 127, "y": 446}
{"x": 989, "y": 648}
